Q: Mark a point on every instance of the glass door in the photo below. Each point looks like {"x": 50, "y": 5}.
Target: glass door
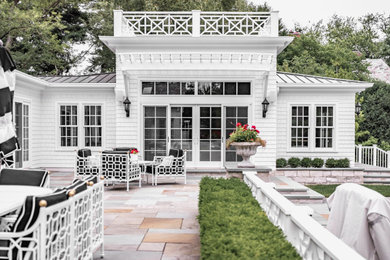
{"x": 181, "y": 133}
{"x": 22, "y": 118}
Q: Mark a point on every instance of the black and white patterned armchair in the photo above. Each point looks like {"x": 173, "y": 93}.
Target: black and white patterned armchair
{"x": 172, "y": 165}
{"x": 86, "y": 164}
{"x": 117, "y": 167}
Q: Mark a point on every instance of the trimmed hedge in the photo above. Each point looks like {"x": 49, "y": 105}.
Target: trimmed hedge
{"x": 233, "y": 226}
{"x": 281, "y": 163}
{"x": 317, "y": 163}
{"x": 306, "y": 162}
{"x": 294, "y": 162}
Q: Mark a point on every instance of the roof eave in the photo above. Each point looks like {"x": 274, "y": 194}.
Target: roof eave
{"x": 357, "y": 87}
{"x": 82, "y": 85}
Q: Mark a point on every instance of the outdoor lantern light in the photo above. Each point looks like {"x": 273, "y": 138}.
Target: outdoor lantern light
{"x": 127, "y": 103}
{"x": 265, "y": 106}
{"x": 358, "y": 108}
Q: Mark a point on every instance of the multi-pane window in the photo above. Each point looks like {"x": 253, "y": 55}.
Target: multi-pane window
{"x": 224, "y": 88}
{"x": 188, "y": 88}
{"x": 168, "y": 88}
{"x": 234, "y": 115}
{"x": 155, "y": 131}
{"x": 324, "y": 127}
{"x": 68, "y": 125}
{"x": 93, "y": 125}
{"x": 210, "y": 133}
{"x": 300, "y": 126}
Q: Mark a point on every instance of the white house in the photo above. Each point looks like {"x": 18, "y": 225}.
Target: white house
{"x": 190, "y": 77}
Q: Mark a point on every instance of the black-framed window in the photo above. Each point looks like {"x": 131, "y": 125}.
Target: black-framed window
{"x": 68, "y": 126}
{"x": 324, "y": 127}
{"x": 300, "y": 126}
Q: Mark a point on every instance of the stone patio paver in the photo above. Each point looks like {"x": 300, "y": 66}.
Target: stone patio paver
{"x": 149, "y": 222}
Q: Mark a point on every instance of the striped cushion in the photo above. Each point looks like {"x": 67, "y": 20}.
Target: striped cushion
{"x": 77, "y": 185}
{"x": 30, "y": 210}
{"x": 84, "y": 153}
{"x": 93, "y": 178}
{"x": 23, "y": 177}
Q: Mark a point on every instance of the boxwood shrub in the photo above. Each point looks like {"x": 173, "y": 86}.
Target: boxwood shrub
{"x": 331, "y": 163}
{"x": 317, "y": 163}
{"x": 342, "y": 163}
{"x": 306, "y": 162}
{"x": 281, "y": 163}
{"x": 294, "y": 162}
{"x": 233, "y": 226}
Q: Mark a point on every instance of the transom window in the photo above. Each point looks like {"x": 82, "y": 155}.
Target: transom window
{"x": 324, "y": 127}
{"x": 300, "y": 126}
{"x": 196, "y": 88}
{"x": 68, "y": 125}
{"x": 93, "y": 125}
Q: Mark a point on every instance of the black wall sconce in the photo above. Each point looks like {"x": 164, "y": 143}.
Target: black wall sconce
{"x": 358, "y": 108}
{"x": 127, "y": 104}
{"x": 265, "y": 106}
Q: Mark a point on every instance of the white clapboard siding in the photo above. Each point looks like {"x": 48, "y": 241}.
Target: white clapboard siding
{"x": 31, "y": 95}
{"x": 51, "y": 154}
{"x": 344, "y": 103}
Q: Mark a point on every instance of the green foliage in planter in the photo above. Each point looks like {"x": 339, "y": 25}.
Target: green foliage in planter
{"x": 317, "y": 163}
{"x": 342, "y": 163}
{"x": 331, "y": 163}
{"x": 233, "y": 226}
{"x": 294, "y": 162}
{"x": 281, "y": 163}
{"x": 306, "y": 162}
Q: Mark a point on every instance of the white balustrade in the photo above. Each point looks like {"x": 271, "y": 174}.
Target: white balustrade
{"x": 311, "y": 240}
{"x": 196, "y": 23}
{"x": 372, "y": 155}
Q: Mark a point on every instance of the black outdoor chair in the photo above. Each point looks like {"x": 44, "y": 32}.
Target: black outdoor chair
{"x": 39, "y": 178}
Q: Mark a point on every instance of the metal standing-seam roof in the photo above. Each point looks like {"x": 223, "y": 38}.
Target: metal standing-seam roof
{"x": 95, "y": 78}
{"x": 282, "y": 78}
{"x": 295, "y": 78}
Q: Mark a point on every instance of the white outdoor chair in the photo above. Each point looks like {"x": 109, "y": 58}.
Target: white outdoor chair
{"x": 172, "y": 165}
{"x": 117, "y": 167}
{"x": 86, "y": 164}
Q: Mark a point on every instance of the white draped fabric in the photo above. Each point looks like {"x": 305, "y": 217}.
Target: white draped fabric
{"x": 361, "y": 218}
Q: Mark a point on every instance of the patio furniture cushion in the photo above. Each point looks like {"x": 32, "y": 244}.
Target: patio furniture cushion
{"x": 94, "y": 179}
{"x": 173, "y": 152}
{"x": 23, "y": 177}
{"x": 124, "y": 149}
{"x": 115, "y": 152}
{"x": 180, "y": 153}
{"x": 30, "y": 211}
{"x": 78, "y": 185}
{"x": 167, "y": 161}
{"x": 84, "y": 152}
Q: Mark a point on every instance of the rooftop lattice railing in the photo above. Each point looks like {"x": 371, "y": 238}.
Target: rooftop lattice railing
{"x": 195, "y": 23}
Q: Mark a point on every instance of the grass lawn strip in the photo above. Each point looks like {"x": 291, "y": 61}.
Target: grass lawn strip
{"x": 328, "y": 189}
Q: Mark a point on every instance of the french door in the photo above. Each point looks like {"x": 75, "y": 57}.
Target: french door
{"x": 22, "y": 118}
{"x": 199, "y": 129}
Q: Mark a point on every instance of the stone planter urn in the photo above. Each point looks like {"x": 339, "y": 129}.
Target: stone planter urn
{"x": 246, "y": 150}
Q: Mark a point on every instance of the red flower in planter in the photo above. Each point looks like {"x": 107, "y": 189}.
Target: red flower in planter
{"x": 257, "y": 131}
{"x": 134, "y": 151}
{"x": 253, "y": 127}
{"x": 238, "y": 124}
{"x": 246, "y": 126}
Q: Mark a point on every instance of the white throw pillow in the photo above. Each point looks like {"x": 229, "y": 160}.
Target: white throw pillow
{"x": 167, "y": 161}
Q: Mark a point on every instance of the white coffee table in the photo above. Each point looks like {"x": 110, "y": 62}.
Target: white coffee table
{"x": 12, "y": 197}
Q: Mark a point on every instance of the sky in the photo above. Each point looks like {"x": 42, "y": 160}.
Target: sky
{"x": 306, "y": 12}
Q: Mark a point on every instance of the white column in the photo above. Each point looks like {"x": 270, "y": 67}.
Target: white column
{"x": 195, "y": 23}
{"x": 274, "y": 23}
{"x": 118, "y": 14}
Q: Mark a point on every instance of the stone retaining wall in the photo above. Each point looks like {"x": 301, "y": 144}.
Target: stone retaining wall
{"x": 321, "y": 176}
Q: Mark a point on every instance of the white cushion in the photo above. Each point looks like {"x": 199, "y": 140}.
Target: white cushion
{"x": 167, "y": 161}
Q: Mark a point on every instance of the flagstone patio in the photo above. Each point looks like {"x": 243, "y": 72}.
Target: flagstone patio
{"x": 149, "y": 222}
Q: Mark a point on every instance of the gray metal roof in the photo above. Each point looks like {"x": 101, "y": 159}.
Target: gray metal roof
{"x": 282, "y": 78}
{"x": 95, "y": 78}
{"x": 295, "y": 78}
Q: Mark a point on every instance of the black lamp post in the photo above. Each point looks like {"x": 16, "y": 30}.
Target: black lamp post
{"x": 127, "y": 103}
{"x": 358, "y": 108}
{"x": 265, "y": 106}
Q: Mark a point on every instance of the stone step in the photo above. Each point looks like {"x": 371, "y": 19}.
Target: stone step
{"x": 377, "y": 176}
{"x": 376, "y": 181}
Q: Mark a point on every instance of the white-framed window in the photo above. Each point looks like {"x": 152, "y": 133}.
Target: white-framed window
{"x": 300, "y": 125}
{"x": 93, "y": 125}
{"x": 68, "y": 126}
{"x": 324, "y": 131}
{"x": 80, "y": 125}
